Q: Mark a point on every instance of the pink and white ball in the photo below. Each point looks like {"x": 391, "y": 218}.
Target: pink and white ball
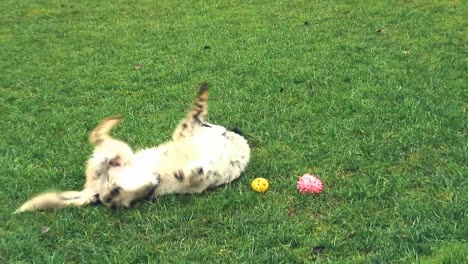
{"x": 309, "y": 184}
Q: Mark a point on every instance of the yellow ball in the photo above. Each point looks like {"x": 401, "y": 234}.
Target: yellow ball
{"x": 260, "y": 185}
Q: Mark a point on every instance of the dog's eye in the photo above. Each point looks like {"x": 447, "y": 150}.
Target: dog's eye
{"x": 206, "y": 125}
{"x": 111, "y": 197}
{"x": 115, "y": 192}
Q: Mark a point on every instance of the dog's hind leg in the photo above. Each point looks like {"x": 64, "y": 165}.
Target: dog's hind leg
{"x": 196, "y": 116}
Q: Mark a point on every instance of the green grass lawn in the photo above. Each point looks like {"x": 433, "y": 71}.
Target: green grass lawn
{"x": 371, "y": 96}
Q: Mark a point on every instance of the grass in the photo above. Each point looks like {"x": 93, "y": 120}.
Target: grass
{"x": 369, "y": 95}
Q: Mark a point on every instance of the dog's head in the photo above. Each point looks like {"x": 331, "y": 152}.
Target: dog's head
{"x": 114, "y": 179}
{"x": 122, "y": 186}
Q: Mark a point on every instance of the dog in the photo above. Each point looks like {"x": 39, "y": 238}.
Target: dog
{"x": 199, "y": 156}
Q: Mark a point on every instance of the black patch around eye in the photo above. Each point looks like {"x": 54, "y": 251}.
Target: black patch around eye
{"x": 115, "y": 192}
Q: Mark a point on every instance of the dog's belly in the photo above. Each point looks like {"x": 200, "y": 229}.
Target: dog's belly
{"x": 194, "y": 165}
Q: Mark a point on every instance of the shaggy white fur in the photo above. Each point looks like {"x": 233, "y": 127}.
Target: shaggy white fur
{"x": 199, "y": 156}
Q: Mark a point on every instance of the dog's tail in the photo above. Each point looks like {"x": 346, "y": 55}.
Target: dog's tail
{"x": 55, "y": 200}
